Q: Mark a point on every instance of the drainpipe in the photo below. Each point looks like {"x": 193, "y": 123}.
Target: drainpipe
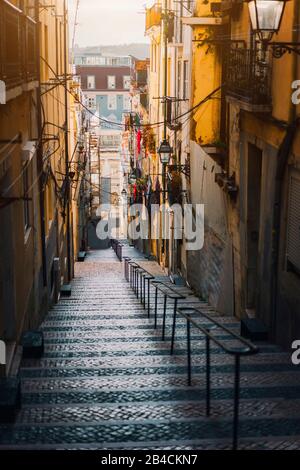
{"x": 282, "y": 160}
{"x": 40, "y": 147}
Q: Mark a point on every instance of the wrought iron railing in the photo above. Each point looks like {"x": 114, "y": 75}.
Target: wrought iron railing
{"x": 248, "y": 75}
{"x": 18, "y": 63}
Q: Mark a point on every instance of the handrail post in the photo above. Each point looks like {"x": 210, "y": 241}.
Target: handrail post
{"x": 189, "y": 363}
{"x": 137, "y": 282}
{"x": 174, "y": 325}
{"x": 134, "y": 279}
{"x": 155, "y": 315}
{"x": 144, "y": 292}
{"x": 141, "y": 285}
{"x": 148, "y": 298}
{"x": 125, "y": 269}
{"x": 131, "y": 273}
{"x": 164, "y": 317}
{"x": 207, "y": 376}
{"x": 236, "y": 402}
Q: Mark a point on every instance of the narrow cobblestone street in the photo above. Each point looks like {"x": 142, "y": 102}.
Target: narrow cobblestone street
{"x": 107, "y": 380}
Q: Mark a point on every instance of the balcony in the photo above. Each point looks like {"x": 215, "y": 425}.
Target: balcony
{"x": 18, "y": 64}
{"x": 248, "y": 79}
{"x": 153, "y": 16}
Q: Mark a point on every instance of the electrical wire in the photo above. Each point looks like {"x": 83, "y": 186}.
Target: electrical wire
{"x": 121, "y": 124}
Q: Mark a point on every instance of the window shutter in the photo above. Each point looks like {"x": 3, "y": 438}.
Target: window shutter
{"x": 293, "y": 228}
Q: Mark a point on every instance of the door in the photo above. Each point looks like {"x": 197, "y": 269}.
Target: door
{"x": 254, "y": 180}
{"x": 105, "y": 190}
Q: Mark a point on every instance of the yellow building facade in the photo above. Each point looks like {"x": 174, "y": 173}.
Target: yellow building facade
{"x": 234, "y": 133}
{"x": 36, "y": 136}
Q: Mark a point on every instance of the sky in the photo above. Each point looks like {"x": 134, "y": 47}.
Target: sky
{"x": 108, "y": 22}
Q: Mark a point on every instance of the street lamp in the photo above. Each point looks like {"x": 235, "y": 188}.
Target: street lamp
{"x": 266, "y": 17}
{"x": 132, "y": 179}
{"x": 165, "y": 151}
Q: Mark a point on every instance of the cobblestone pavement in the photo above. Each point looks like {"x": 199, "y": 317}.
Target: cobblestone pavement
{"x": 107, "y": 379}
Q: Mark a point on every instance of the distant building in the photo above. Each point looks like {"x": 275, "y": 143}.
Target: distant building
{"x": 106, "y": 84}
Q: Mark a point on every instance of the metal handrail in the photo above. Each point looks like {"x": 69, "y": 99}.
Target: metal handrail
{"x": 138, "y": 278}
{"x": 247, "y": 350}
{"x": 173, "y": 296}
{"x": 117, "y": 246}
{"x": 146, "y": 277}
{"x": 249, "y": 347}
{"x": 132, "y": 278}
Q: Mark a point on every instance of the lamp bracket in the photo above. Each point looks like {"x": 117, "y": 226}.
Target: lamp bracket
{"x": 184, "y": 169}
{"x": 280, "y": 48}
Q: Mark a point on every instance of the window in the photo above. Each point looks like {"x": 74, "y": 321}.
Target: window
{"x": 127, "y": 103}
{"x": 112, "y": 102}
{"x": 110, "y": 140}
{"x": 26, "y": 207}
{"x": 95, "y": 179}
{"x": 91, "y": 82}
{"x": 126, "y": 82}
{"x": 91, "y": 102}
{"x": 105, "y": 190}
{"x": 111, "y": 82}
{"x": 179, "y": 71}
{"x": 185, "y": 80}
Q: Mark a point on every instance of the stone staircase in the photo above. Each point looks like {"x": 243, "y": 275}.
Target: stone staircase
{"x": 107, "y": 380}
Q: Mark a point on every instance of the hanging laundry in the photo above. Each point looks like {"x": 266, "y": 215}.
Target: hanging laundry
{"x": 137, "y": 120}
{"x": 138, "y": 141}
